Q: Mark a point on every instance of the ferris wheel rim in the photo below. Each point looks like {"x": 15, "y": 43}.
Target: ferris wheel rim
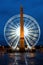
{"x": 24, "y": 15}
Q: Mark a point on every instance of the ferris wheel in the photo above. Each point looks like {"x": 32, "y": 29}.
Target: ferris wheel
{"x": 31, "y": 31}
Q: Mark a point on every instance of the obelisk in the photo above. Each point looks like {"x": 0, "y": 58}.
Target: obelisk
{"x": 21, "y": 30}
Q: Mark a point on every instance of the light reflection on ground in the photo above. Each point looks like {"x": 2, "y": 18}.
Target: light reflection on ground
{"x": 27, "y": 58}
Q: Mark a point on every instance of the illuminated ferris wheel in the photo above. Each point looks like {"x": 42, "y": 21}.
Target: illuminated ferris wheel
{"x": 31, "y": 31}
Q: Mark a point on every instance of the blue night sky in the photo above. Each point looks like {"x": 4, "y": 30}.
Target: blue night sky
{"x": 9, "y": 8}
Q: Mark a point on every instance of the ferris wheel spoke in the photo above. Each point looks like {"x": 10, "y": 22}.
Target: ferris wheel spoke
{"x": 10, "y": 37}
{"x": 14, "y": 39}
{"x": 15, "y": 43}
{"x": 33, "y": 35}
{"x": 7, "y": 32}
{"x": 28, "y": 23}
{"x": 27, "y": 43}
{"x": 32, "y": 38}
{"x": 11, "y": 41}
{"x": 25, "y": 20}
{"x": 12, "y": 24}
{"x": 28, "y": 39}
{"x": 31, "y": 42}
{"x": 33, "y": 31}
{"x": 17, "y": 24}
{"x": 10, "y": 30}
{"x": 31, "y": 25}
